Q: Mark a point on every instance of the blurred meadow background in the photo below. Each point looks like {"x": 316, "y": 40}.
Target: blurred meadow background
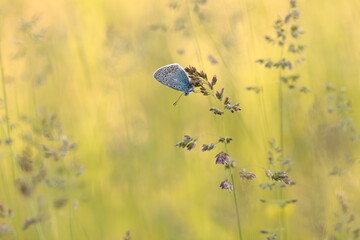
{"x": 87, "y": 134}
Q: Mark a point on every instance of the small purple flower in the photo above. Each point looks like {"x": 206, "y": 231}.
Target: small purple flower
{"x": 226, "y": 185}
{"x": 216, "y": 111}
{"x": 247, "y": 175}
{"x": 208, "y": 147}
{"x": 280, "y": 176}
{"x": 222, "y": 158}
{"x": 225, "y": 139}
{"x": 188, "y": 142}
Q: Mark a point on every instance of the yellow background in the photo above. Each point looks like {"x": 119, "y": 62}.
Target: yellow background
{"x": 91, "y": 63}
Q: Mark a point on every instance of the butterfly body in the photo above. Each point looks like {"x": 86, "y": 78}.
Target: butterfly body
{"x": 175, "y": 77}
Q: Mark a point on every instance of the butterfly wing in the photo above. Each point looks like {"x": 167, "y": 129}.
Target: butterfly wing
{"x": 175, "y": 77}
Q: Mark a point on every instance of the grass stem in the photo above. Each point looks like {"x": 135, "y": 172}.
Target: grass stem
{"x": 7, "y": 117}
{"x": 236, "y": 206}
{"x": 235, "y": 200}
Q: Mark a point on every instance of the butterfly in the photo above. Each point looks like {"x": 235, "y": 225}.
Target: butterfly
{"x": 175, "y": 77}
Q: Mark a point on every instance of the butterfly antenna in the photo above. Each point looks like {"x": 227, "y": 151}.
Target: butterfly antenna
{"x": 178, "y": 99}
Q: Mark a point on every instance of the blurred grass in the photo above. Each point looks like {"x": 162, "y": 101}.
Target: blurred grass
{"x": 91, "y": 63}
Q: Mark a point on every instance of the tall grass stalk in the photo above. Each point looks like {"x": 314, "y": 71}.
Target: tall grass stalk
{"x": 2, "y": 74}
{"x": 199, "y": 80}
{"x": 235, "y": 200}
{"x": 285, "y": 36}
{"x": 237, "y": 211}
{"x": 7, "y": 117}
{"x": 236, "y": 206}
{"x": 196, "y": 40}
{"x": 281, "y": 136}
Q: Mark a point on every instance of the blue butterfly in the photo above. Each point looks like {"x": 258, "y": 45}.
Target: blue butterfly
{"x": 175, "y": 77}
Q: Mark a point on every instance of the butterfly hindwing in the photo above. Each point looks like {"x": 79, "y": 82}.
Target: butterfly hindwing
{"x": 175, "y": 77}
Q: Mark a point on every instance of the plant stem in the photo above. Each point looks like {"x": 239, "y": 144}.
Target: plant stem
{"x": 235, "y": 200}
{"x": 7, "y": 117}
{"x": 281, "y": 133}
{"x": 2, "y": 75}
{"x": 236, "y": 206}
{"x": 196, "y": 41}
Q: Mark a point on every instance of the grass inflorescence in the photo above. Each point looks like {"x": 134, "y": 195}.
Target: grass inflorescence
{"x": 201, "y": 83}
{"x": 47, "y": 173}
{"x": 287, "y": 33}
{"x": 206, "y": 87}
{"x": 274, "y": 154}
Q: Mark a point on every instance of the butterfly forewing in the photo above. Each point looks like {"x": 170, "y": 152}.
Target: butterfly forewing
{"x": 174, "y": 76}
